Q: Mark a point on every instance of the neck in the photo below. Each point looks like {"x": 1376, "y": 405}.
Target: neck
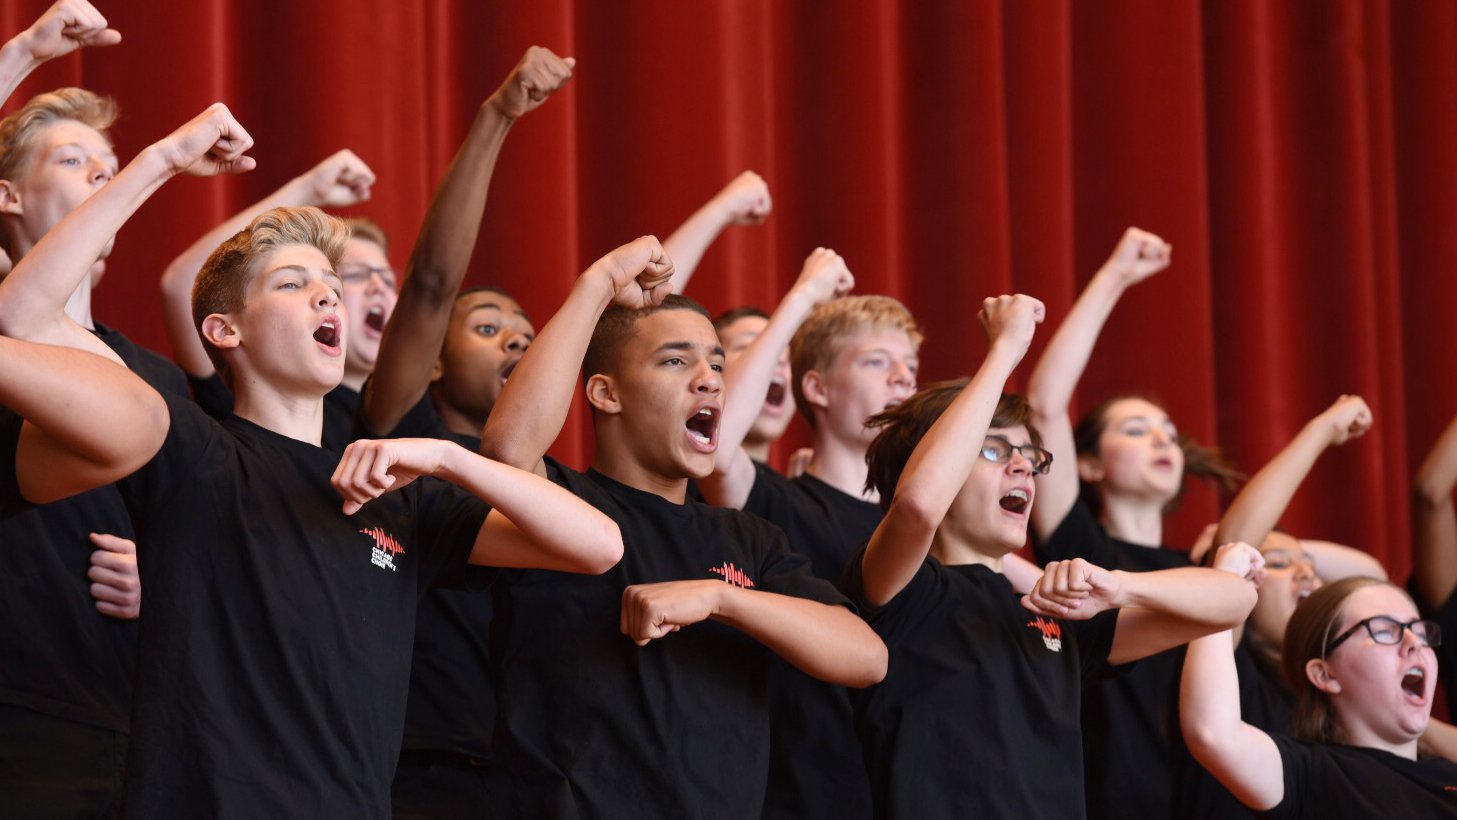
{"x": 1362, "y": 736}
{"x": 758, "y": 450}
{"x": 953, "y": 551}
{"x": 297, "y": 417}
{"x": 1137, "y": 522}
{"x": 457, "y": 422}
{"x": 632, "y": 473}
{"x": 841, "y": 466}
{"x": 354, "y": 379}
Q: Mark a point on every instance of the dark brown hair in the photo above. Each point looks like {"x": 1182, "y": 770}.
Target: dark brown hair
{"x": 617, "y": 325}
{"x": 903, "y": 426}
{"x": 1310, "y": 630}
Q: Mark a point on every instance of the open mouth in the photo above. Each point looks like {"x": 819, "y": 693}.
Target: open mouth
{"x": 703, "y": 427}
{"x": 1016, "y": 501}
{"x": 1414, "y": 682}
{"x": 374, "y": 320}
{"x": 775, "y": 396}
{"x": 327, "y": 333}
{"x": 509, "y": 369}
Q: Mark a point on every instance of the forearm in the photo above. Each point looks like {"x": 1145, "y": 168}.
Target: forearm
{"x": 1336, "y": 561}
{"x": 687, "y": 245}
{"x": 1437, "y": 476}
{"x": 16, "y": 64}
{"x": 33, "y": 297}
{"x": 747, "y": 380}
{"x": 532, "y": 408}
{"x": 1263, "y": 500}
{"x": 824, "y": 641}
{"x": 1050, "y": 388}
{"x": 1207, "y": 596}
{"x": 437, "y": 266}
{"x": 1239, "y": 755}
{"x": 546, "y": 526}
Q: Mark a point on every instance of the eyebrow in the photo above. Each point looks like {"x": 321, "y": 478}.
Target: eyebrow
{"x": 110, "y": 153}
{"x": 494, "y": 306}
{"x": 328, "y": 273}
{"x": 716, "y": 350}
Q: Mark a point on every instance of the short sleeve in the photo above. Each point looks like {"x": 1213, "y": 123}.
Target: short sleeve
{"x": 1077, "y": 536}
{"x": 420, "y": 421}
{"x": 10, "y": 424}
{"x": 446, "y": 520}
{"x": 1297, "y": 761}
{"x": 789, "y": 573}
{"x": 907, "y": 607}
{"x": 1095, "y": 642}
{"x": 194, "y": 452}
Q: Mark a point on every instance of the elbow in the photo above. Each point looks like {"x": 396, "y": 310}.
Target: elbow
{"x": 500, "y": 449}
{"x": 872, "y": 658}
{"x": 609, "y": 550}
{"x": 1427, "y": 495}
{"x": 912, "y": 513}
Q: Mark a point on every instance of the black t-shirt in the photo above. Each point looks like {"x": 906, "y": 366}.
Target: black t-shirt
{"x": 816, "y": 769}
{"x": 58, "y": 655}
{"x": 979, "y": 713}
{"x": 214, "y": 397}
{"x": 1446, "y": 616}
{"x": 452, "y": 701}
{"x": 1324, "y": 781}
{"x": 1264, "y": 703}
{"x": 1126, "y": 737}
{"x": 274, "y": 657}
{"x": 592, "y": 725}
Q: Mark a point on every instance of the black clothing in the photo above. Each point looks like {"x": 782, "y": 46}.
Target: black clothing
{"x": 1323, "y": 780}
{"x": 979, "y": 713}
{"x": 214, "y": 397}
{"x": 815, "y": 766}
{"x": 274, "y": 657}
{"x": 592, "y": 725}
{"x": 1126, "y": 740}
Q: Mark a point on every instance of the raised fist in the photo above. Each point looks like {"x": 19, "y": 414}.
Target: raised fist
{"x": 338, "y": 182}
{"x": 1139, "y": 255}
{"x": 824, "y": 277}
{"x": 746, "y": 199}
{"x": 1014, "y": 318}
{"x": 65, "y": 27}
{"x": 211, "y": 143}
{"x": 539, "y": 74}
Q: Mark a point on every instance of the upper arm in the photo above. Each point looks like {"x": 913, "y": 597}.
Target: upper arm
{"x": 407, "y": 354}
{"x": 48, "y": 470}
{"x": 1143, "y": 632}
{"x": 500, "y": 543}
{"x": 1248, "y": 763}
{"x": 1058, "y": 488}
{"x": 896, "y": 551}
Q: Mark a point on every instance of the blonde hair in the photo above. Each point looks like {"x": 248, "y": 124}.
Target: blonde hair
{"x": 364, "y": 228}
{"x": 224, "y": 279}
{"x": 823, "y": 336}
{"x": 18, "y": 131}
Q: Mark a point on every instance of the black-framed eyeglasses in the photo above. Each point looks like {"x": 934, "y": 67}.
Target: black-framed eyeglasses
{"x": 998, "y": 450}
{"x": 355, "y": 274}
{"x": 1388, "y": 631}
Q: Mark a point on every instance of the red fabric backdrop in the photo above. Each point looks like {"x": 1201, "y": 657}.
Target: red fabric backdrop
{"x": 1299, "y": 156}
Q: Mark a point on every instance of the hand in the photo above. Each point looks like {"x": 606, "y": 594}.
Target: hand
{"x": 1242, "y": 560}
{"x": 338, "y": 182}
{"x": 824, "y": 277}
{"x": 369, "y": 469}
{"x": 799, "y": 462}
{"x": 65, "y": 27}
{"x": 115, "y": 583}
{"x": 640, "y": 271}
{"x": 1012, "y": 319}
{"x": 1348, "y": 418}
{"x": 651, "y": 611}
{"x": 746, "y": 200}
{"x": 1138, "y": 256}
{"x": 211, "y": 143}
{"x": 539, "y": 74}
{"x": 1076, "y": 590}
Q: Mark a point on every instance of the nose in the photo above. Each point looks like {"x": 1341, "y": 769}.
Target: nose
{"x": 1019, "y": 464}
{"x": 325, "y": 297}
{"x": 708, "y": 381}
{"x": 902, "y": 378}
{"x": 517, "y": 342}
{"x": 101, "y": 172}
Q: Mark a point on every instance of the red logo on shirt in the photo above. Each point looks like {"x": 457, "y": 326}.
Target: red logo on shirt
{"x": 733, "y": 575}
{"x": 1051, "y": 632}
{"x": 385, "y": 548}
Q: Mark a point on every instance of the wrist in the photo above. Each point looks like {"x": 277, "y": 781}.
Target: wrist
{"x": 16, "y": 55}
{"x": 493, "y": 113}
{"x": 1123, "y": 597}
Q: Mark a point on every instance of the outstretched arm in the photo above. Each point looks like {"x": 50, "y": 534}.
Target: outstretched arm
{"x": 824, "y": 277}
{"x": 33, "y": 297}
{"x": 1161, "y": 609}
{"x": 64, "y": 27}
{"x": 1263, "y": 500}
{"x": 945, "y": 456}
{"x": 532, "y": 407}
{"x": 338, "y": 182}
{"x": 1241, "y": 756}
{"x": 1138, "y": 256}
{"x": 61, "y": 392}
{"x": 1435, "y": 522}
{"x": 533, "y": 523}
{"x": 417, "y": 328}
{"x": 744, "y": 201}
{"x": 825, "y": 641}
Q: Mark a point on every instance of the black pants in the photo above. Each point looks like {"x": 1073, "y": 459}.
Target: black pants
{"x": 439, "y": 786}
{"x": 53, "y": 769}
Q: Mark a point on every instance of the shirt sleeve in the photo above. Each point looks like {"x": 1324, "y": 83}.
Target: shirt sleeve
{"x": 10, "y": 497}
{"x": 908, "y": 606}
{"x": 421, "y": 421}
{"x": 1095, "y": 641}
{"x": 212, "y": 395}
{"x": 1077, "y": 536}
{"x": 1297, "y": 760}
{"x": 786, "y": 572}
{"x": 193, "y": 454}
{"x": 447, "y": 520}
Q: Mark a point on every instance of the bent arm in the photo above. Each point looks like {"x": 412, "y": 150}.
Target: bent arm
{"x": 1169, "y": 608}
{"x": 1435, "y": 521}
{"x": 744, "y": 201}
{"x": 61, "y": 392}
{"x": 824, "y": 641}
{"x": 1242, "y": 757}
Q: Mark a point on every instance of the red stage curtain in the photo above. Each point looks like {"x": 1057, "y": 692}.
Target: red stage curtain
{"x": 1301, "y": 157}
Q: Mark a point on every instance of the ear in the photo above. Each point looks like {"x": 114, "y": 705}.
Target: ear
{"x": 602, "y": 394}
{"x": 1321, "y": 677}
{"x": 9, "y": 198}
{"x": 1090, "y": 469}
{"x": 438, "y": 371}
{"x": 816, "y": 392}
{"x": 218, "y": 331}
